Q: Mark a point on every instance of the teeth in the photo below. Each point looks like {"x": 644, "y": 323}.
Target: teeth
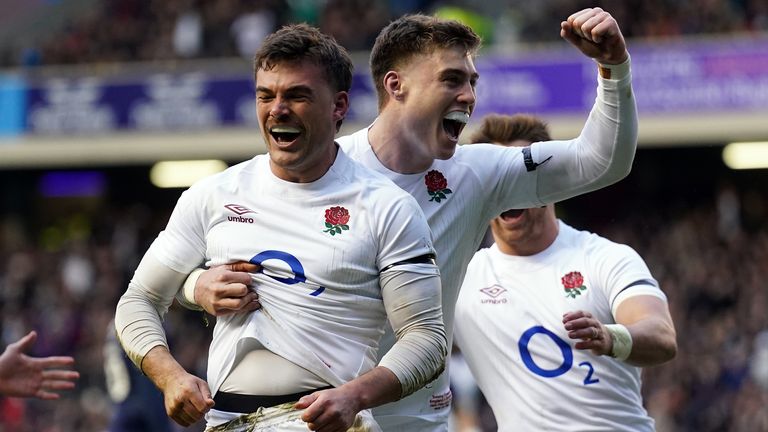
{"x": 459, "y": 116}
{"x": 285, "y": 129}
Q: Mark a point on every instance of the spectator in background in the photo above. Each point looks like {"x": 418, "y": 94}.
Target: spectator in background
{"x": 38, "y": 377}
{"x": 252, "y": 25}
{"x": 550, "y": 311}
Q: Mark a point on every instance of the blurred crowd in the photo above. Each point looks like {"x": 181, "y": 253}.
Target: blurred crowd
{"x": 63, "y": 279}
{"x": 140, "y": 30}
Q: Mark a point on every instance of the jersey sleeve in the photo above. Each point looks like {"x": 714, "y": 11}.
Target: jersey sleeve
{"x": 401, "y": 229}
{"x": 181, "y": 245}
{"x": 622, "y": 272}
{"x": 601, "y": 155}
{"x": 551, "y": 171}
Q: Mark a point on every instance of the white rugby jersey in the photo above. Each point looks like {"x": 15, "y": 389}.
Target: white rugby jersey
{"x": 460, "y": 195}
{"x": 509, "y": 327}
{"x": 321, "y": 244}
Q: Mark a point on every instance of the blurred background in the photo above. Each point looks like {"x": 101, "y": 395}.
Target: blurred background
{"x": 96, "y": 97}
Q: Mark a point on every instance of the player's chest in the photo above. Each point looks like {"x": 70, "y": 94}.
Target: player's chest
{"x": 537, "y": 290}
{"x": 306, "y": 233}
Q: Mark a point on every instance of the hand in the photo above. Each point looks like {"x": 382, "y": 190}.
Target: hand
{"x": 591, "y": 333}
{"x": 329, "y": 410}
{"x": 187, "y": 399}
{"x": 224, "y": 289}
{"x": 25, "y": 376}
{"x": 595, "y": 33}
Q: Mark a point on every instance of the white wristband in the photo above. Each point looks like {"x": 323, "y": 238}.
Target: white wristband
{"x": 189, "y": 285}
{"x": 622, "y": 341}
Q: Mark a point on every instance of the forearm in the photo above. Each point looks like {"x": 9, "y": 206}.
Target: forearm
{"x": 413, "y": 302}
{"x": 603, "y": 153}
{"x": 653, "y": 342}
{"x": 161, "y": 368}
{"x": 374, "y": 388}
{"x": 138, "y": 318}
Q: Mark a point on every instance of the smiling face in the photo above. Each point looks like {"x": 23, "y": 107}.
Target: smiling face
{"x": 437, "y": 92}
{"x": 298, "y": 111}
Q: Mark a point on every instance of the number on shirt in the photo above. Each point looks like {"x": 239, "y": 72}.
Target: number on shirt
{"x": 565, "y": 349}
{"x": 293, "y": 263}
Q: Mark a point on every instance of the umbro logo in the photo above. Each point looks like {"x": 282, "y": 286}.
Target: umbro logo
{"x": 239, "y": 210}
{"x": 493, "y": 292}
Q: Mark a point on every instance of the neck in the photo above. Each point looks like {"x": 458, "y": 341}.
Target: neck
{"x": 395, "y": 148}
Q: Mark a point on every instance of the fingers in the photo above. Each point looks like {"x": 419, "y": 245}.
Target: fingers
{"x": 63, "y": 376}
{"x": 596, "y": 34}
{"x": 242, "y": 266}
{"x": 54, "y": 362}
{"x": 588, "y": 331}
{"x": 25, "y": 343}
{"x": 581, "y": 325}
{"x": 46, "y": 395}
{"x": 188, "y": 403}
{"x": 583, "y": 23}
{"x": 246, "y": 303}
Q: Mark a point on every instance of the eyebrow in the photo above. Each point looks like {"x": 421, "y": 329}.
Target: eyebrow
{"x": 301, "y": 88}
{"x": 453, "y": 71}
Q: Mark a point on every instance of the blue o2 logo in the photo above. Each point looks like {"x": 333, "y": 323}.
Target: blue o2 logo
{"x": 293, "y": 263}
{"x": 565, "y": 350}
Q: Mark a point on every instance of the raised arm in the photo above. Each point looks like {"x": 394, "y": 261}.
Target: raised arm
{"x": 604, "y": 151}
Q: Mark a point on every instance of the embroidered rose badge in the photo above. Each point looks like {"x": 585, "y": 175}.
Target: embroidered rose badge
{"x": 437, "y": 185}
{"x": 336, "y": 219}
{"x": 573, "y": 283}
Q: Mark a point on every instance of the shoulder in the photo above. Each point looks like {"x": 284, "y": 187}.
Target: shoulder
{"x": 226, "y": 180}
{"x": 597, "y": 247}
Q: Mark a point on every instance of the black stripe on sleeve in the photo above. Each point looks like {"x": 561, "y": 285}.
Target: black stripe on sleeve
{"x": 650, "y": 282}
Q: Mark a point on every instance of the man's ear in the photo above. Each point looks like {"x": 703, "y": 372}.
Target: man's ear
{"x": 393, "y": 85}
{"x": 340, "y": 108}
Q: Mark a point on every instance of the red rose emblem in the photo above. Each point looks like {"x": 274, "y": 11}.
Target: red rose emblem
{"x": 437, "y": 186}
{"x": 573, "y": 283}
{"x": 337, "y": 216}
{"x": 435, "y": 181}
{"x": 336, "y": 219}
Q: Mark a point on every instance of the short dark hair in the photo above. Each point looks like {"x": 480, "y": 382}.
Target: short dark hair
{"x": 411, "y": 35}
{"x": 503, "y": 129}
{"x": 298, "y": 42}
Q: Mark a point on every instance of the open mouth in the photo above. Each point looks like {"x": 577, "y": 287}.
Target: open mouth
{"x": 512, "y": 214}
{"x": 284, "y": 134}
{"x": 454, "y": 122}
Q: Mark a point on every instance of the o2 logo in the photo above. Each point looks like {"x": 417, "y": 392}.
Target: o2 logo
{"x": 293, "y": 263}
{"x": 565, "y": 349}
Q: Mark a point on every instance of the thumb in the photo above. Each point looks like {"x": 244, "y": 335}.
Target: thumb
{"x": 305, "y": 401}
{"x": 206, "y": 401}
{"x": 242, "y": 266}
{"x": 25, "y": 343}
{"x": 207, "y": 394}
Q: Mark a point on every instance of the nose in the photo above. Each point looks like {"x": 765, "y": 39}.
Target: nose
{"x": 468, "y": 95}
{"x": 279, "y": 108}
